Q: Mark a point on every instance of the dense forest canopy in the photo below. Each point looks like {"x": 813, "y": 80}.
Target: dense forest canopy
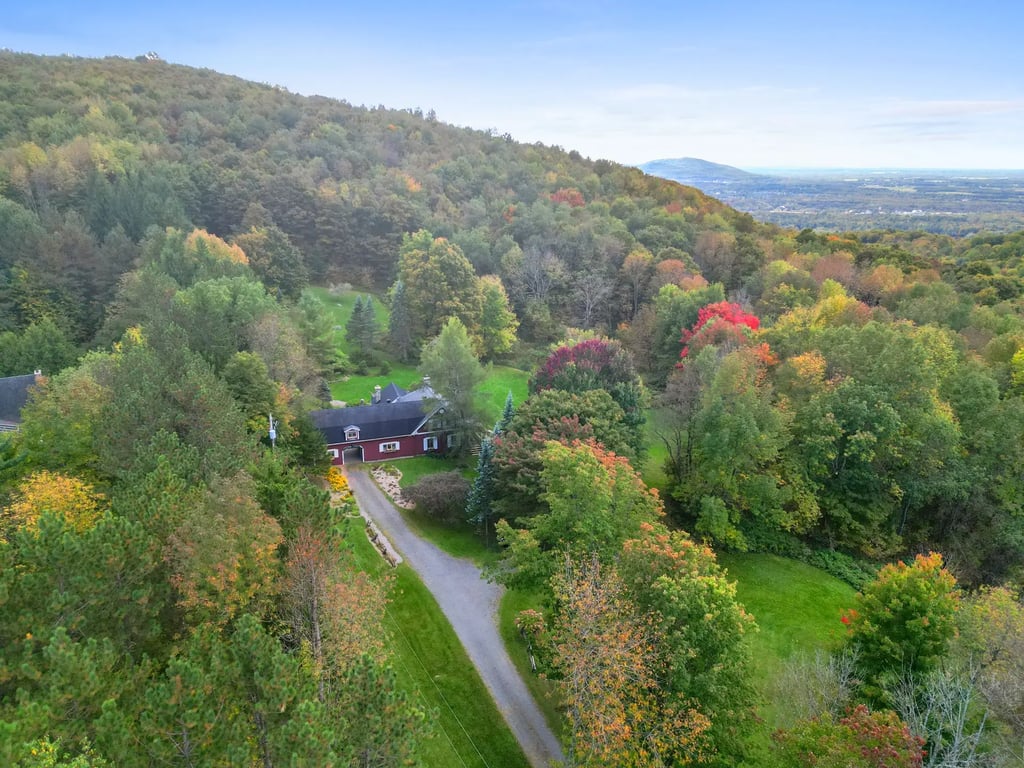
{"x": 97, "y": 152}
{"x": 846, "y": 399}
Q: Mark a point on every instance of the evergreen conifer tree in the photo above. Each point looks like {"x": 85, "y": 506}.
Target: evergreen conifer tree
{"x": 506, "y": 416}
{"x": 479, "y": 508}
{"x": 368, "y": 330}
{"x": 399, "y": 325}
{"x": 354, "y": 326}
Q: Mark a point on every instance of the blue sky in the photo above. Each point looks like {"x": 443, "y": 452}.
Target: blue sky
{"x": 755, "y": 84}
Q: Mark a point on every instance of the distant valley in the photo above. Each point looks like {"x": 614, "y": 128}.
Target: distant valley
{"x": 954, "y": 202}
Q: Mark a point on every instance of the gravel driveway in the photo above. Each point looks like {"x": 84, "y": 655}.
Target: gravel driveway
{"x": 471, "y": 605}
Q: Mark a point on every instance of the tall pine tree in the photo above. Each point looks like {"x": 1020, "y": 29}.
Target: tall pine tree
{"x": 399, "y": 324}
{"x": 361, "y": 330}
{"x": 479, "y": 508}
{"x": 368, "y": 331}
{"x": 354, "y": 326}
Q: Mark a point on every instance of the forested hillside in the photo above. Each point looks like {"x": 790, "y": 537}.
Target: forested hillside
{"x": 97, "y": 152}
{"x": 170, "y": 584}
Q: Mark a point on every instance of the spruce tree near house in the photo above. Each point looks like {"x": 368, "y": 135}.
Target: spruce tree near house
{"x": 355, "y": 322}
{"x": 507, "y": 412}
{"x": 479, "y": 506}
{"x": 368, "y": 333}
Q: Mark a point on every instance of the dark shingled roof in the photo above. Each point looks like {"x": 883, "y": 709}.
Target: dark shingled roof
{"x": 13, "y": 396}
{"x": 391, "y": 392}
{"x": 374, "y": 421}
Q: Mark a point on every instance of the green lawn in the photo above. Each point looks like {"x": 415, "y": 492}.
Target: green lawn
{"x": 414, "y": 468}
{"x": 432, "y": 667}
{"x": 797, "y": 606}
{"x": 351, "y": 389}
{"x": 339, "y": 305}
{"x": 499, "y": 382}
{"x": 797, "y": 609}
{"x": 652, "y": 467}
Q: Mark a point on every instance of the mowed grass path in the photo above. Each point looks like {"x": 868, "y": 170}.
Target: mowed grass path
{"x": 434, "y": 670}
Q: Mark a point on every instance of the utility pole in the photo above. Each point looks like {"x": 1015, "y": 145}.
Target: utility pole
{"x": 273, "y": 431}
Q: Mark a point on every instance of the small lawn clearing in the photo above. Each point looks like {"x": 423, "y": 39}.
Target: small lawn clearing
{"x": 797, "y": 606}
{"x": 499, "y": 382}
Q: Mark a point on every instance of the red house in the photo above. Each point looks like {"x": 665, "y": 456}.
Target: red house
{"x": 395, "y": 424}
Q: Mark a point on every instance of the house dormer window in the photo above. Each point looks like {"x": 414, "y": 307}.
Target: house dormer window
{"x": 351, "y": 433}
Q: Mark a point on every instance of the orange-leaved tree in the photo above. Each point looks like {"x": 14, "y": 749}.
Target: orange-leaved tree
{"x": 903, "y": 623}
{"x": 605, "y": 651}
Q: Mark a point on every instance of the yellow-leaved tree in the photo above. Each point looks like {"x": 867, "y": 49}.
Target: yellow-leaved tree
{"x": 65, "y": 495}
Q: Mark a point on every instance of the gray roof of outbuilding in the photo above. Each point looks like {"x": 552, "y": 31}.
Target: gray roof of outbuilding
{"x": 374, "y": 421}
{"x": 13, "y": 396}
{"x": 417, "y": 395}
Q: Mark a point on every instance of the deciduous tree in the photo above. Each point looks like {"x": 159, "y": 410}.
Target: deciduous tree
{"x": 594, "y": 502}
{"x": 860, "y": 739}
{"x": 439, "y": 284}
{"x": 903, "y": 623}
{"x": 611, "y": 677}
{"x": 700, "y": 631}
{"x": 597, "y": 364}
{"x": 277, "y": 263}
{"x": 68, "y": 497}
{"x": 498, "y": 323}
{"x": 455, "y": 373}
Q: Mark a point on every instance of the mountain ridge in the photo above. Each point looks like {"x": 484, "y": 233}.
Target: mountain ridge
{"x": 683, "y": 169}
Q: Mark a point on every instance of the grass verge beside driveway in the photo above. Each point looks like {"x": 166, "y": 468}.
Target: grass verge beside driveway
{"x": 433, "y": 668}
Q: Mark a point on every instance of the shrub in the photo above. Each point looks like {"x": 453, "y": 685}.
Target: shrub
{"x": 442, "y": 496}
{"x": 854, "y": 572}
{"x": 336, "y": 479}
{"x": 861, "y": 739}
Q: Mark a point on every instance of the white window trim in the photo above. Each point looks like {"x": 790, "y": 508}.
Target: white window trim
{"x": 390, "y": 447}
{"x": 450, "y": 440}
{"x": 332, "y": 452}
{"x": 430, "y": 443}
{"x": 352, "y": 434}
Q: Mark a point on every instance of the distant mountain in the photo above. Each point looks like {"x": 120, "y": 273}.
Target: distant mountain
{"x": 692, "y": 170}
{"x": 942, "y": 201}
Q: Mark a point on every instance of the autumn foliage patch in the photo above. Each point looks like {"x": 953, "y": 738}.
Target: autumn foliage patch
{"x": 720, "y": 323}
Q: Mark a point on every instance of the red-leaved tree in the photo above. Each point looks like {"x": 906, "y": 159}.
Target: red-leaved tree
{"x": 722, "y": 324}
{"x": 597, "y": 364}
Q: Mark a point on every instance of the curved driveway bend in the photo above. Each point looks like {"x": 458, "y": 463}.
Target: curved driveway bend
{"x": 471, "y": 605}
